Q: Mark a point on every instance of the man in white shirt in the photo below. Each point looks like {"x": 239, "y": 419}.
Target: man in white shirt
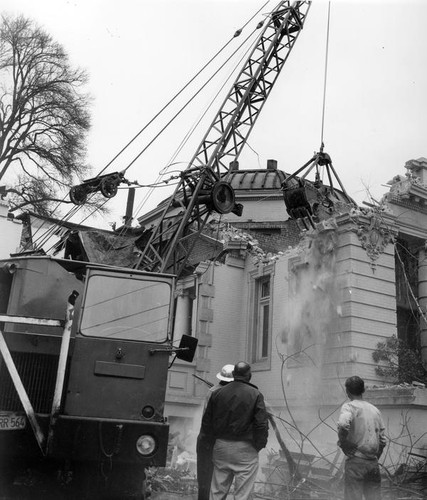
{"x": 361, "y": 437}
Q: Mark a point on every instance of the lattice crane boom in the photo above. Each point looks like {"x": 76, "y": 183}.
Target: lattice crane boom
{"x": 202, "y": 188}
{"x": 235, "y": 119}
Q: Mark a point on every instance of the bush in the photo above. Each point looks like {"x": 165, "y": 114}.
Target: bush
{"x": 397, "y": 361}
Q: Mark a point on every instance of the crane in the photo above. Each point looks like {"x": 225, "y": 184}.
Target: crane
{"x": 90, "y": 390}
{"x": 203, "y": 187}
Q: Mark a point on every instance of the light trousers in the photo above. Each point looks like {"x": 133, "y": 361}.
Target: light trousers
{"x": 236, "y": 460}
{"x": 362, "y": 479}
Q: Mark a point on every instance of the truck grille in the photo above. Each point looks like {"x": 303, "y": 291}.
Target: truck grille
{"x": 38, "y": 375}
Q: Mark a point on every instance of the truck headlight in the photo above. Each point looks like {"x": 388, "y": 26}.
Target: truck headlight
{"x": 145, "y": 445}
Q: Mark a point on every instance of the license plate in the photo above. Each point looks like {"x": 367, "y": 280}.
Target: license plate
{"x": 12, "y": 422}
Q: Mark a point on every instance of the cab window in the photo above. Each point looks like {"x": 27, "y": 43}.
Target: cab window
{"x": 124, "y": 307}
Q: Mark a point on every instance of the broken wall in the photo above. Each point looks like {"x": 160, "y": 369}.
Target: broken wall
{"x": 334, "y": 300}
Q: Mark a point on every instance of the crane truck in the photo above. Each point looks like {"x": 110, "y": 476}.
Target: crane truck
{"x": 85, "y": 348}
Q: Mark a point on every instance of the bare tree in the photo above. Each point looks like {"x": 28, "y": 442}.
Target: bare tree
{"x": 44, "y": 117}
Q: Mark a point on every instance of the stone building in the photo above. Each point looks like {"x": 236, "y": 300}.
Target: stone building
{"x": 308, "y": 309}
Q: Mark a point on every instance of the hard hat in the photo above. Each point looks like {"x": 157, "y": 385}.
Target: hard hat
{"x": 226, "y": 373}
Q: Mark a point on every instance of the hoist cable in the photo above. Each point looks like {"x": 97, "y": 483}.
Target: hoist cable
{"x": 195, "y": 125}
{"x": 184, "y": 106}
{"x": 73, "y": 212}
{"x": 45, "y": 222}
{"x": 237, "y": 33}
{"x": 193, "y": 128}
{"x": 325, "y": 75}
{"x": 216, "y": 72}
{"x": 38, "y": 242}
{"x": 45, "y": 236}
{"x": 50, "y": 232}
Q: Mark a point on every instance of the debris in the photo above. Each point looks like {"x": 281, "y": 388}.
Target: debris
{"x": 170, "y": 480}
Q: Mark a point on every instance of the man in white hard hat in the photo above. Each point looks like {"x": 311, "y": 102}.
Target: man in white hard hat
{"x": 205, "y": 444}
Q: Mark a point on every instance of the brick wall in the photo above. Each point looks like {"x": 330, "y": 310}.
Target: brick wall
{"x": 273, "y": 237}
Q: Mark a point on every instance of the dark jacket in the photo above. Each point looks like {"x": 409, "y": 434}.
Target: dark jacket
{"x": 237, "y": 412}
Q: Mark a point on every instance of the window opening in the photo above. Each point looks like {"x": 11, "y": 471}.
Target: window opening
{"x": 261, "y": 321}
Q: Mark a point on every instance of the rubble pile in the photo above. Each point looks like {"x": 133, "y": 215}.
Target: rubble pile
{"x": 171, "y": 480}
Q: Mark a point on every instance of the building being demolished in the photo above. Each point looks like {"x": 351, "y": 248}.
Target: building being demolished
{"x": 307, "y": 304}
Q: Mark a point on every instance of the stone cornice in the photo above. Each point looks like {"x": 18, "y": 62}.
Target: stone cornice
{"x": 399, "y": 395}
{"x": 411, "y": 201}
{"x": 388, "y": 220}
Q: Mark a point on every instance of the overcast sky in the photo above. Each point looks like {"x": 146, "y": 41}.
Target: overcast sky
{"x": 139, "y": 53}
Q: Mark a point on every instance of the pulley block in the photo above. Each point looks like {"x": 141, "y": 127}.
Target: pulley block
{"x": 106, "y": 184}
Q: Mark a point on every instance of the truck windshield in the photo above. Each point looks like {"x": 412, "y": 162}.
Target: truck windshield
{"x": 124, "y": 307}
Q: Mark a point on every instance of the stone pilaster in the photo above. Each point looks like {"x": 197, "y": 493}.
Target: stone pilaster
{"x": 422, "y": 300}
{"x": 366, "y": 271}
